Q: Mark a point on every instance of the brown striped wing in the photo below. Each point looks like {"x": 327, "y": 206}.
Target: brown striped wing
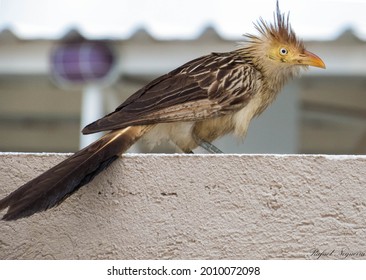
{"x": 206, "y": 87}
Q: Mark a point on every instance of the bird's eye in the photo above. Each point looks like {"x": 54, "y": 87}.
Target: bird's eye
{"x": 283, "y": 51}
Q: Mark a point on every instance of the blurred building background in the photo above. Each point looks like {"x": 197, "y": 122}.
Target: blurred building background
{"x": 324, "y": 111}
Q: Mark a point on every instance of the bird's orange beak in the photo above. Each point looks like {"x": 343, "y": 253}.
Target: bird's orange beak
{"x": 312, "y": 60}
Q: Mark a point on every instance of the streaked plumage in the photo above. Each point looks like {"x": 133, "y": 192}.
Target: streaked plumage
{"x": 200, "y": 101}
{"x": 195, "y": 91}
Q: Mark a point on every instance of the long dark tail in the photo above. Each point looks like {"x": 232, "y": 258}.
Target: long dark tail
{"x": 53, "y": 186}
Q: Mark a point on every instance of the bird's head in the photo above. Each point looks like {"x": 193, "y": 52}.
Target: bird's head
{"x": 277, "y": 47}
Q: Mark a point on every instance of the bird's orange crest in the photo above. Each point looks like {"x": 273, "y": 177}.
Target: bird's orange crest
{"x": 279, "y": 30}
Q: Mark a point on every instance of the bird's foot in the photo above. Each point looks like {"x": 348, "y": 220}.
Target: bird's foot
{"x": 212, "y": 149}
{"x": 209, "y": 147}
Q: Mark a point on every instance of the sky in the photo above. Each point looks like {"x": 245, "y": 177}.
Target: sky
{"x": 177, "y": 19}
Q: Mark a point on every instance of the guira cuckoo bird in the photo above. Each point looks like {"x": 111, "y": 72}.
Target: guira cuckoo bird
{"x": 190, "y": 106}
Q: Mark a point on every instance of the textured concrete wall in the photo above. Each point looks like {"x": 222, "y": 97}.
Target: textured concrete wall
{"x": 197, "y": 207}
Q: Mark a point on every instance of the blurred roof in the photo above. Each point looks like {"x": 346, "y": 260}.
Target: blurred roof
{"x": 175, "y": 19}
